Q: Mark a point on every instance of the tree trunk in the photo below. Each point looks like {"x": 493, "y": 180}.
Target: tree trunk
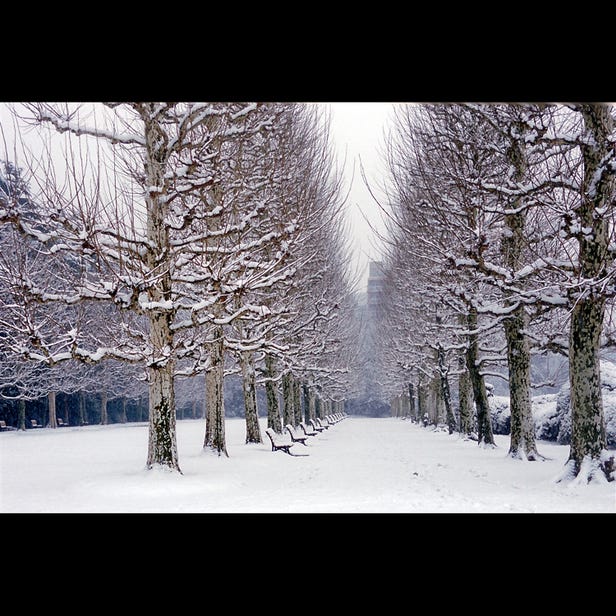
{"x": 312, "y": 406}
{"x": 522, "y": 445}
{"x": 588, "y": 438}
{"x": 297, "y": 402}
{"x": 104, "y": 416}
{"x": 66, "y": 411}
{"x": 271, "y": 394}
{"x": 306, "y": 396}
{"x": 412, "y": 411}
{"x": 123, "y": 418}
{"x": 318, "y": 407}
{"x": 21, "y": 422}
{"x": 51, "y": 403}
{"x": 435, "y": 400}
{"x": 253, "y": 432}
{"x": 421, "y": 402}
{"x": 162, "y": 442}
{"x": 445, "y": 391}
{"x": 484, "y": 423}
{"x": 518, "y": 358}
{"x": 83, "y": 411}
{"x": 162, "y": 445}
{"x": 288, "y": 414}
{"x": 465, "y": 399}
{"x": 215, "y": 402}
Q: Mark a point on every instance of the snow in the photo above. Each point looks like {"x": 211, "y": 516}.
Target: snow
{"x": 360, "y": 465}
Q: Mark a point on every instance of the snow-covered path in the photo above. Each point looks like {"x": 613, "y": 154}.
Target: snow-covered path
{"x": 360, "y": 465}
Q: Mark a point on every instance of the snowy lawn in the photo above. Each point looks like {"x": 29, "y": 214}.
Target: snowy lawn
{"x": 360, "y": 465}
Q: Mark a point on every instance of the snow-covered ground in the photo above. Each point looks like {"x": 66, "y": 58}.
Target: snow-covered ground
{"x": 363, "y": 465}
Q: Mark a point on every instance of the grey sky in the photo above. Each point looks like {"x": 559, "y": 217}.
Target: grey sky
{"x": 359, "y": 127}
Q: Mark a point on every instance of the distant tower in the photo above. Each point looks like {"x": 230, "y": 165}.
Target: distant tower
{"x": 375, "y": 289}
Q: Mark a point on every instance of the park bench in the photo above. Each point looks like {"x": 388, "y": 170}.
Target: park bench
{"x": 281, "y": 445}
{"x": 4, "y": 427}
{"x": 322, "y": 425}
{"x": 307, "y": 431}
{"x": 61, "y": 423}
{"x": 35, "y": 424}
{"x": 315, "y": 426}
{"x": 294, "y": 436}
{"x": 277, "y": 443}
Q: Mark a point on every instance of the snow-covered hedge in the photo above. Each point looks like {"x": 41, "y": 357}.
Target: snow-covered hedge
{"x": 552, "y": 412}
{"x": 501, "y": 416}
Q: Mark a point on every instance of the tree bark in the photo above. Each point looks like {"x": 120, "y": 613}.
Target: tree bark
{"x": 253, "y": 432}
{"x": 162, "y": 442}
{"x": 297, "y": 402}
{"x": 162, "y": 445}
{"x": 215, "y": 401}
{"x": 465, "y": 399}
{"x": 312, "y": 406}
{"x": 435, "y": 397}
{"x": 588, "y": 438}
{"x": 522, "y": 443}
{"x": 445, "y": 391}
{"x": 51, "y": 403}
{"x": 104, "y": 416}
{"x": 412, "y": 411}
{"x": 21, "y": 422}
{"x": 66, "y": 410}
{"x": 306, "y": 397}
{"x": 421, "y": 403}
{"x": 484, "y": 423}
{"x": 83, "y": 411}
{"x": 271, "y": 394}
{"x": 288, "y": 413}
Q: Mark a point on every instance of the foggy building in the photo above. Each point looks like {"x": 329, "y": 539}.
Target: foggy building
{"x": 375, "y": 289}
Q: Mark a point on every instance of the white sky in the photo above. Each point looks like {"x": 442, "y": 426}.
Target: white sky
{"x": 360, "y": 127}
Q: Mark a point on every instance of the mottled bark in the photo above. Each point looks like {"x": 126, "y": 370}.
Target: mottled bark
{"x": 588, "y": 439}
{"x": 435, "y": 400}
{"x": 271, "y": 394}
{"x": 297, "y": 402}
{"x": 104, "y": 415}
{"x": 253, "y": 432}
{"x": 522, "y": 443}
{"x": 412, "y": 409}
{"x": 51, "y": 406}
{"x": 162, "y": 443}
{"x": 214, "y": 397}
{"x": 465, "y": 399}
{"x": 66, "y": 411}
{"x": 445, "y": 391}
{"x": 312, "y": 405}
{"x": 21, "y": 421}
{"x": 83, "y": 411}
{"x": 421, "y": 403}
{"x": 288, "y": 412}
{"x": 484, "y": 423}
{"x": 123, "y": 412}
{"x": 306, "y": 397}
{"x": 162, "y": 446}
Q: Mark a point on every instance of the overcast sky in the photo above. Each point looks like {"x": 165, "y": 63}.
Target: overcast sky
{"x": 359, "y": 127}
